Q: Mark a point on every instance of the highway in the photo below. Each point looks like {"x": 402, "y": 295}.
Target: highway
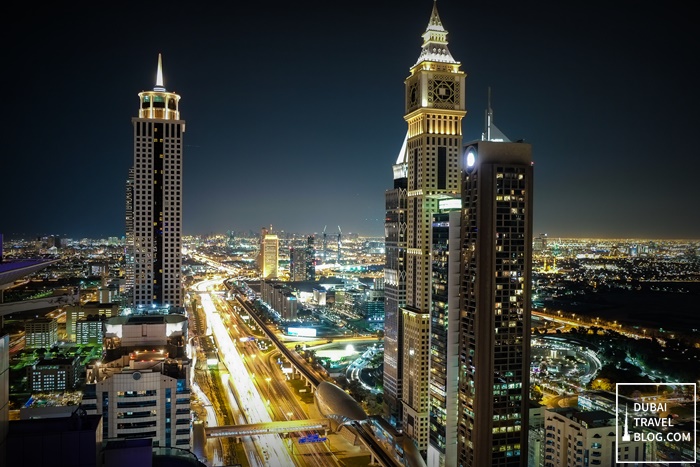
{"x": 270, "y": 383}
{"x": 258, "y": 388}
{"x": 367, "y": 436}
{"x": 275, "y": 389}
{"x": 270, "y": 448}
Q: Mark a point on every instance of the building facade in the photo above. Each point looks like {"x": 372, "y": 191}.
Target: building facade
{"x": 141, "y": 388}
{"x": 41, "y": 333}
{"x": 310, "y": 259}
{"x": 280, "y": 297}
{"x": 129, "y": 239}
{"x": 144, "y": 400}
{"x": 415, "y": 375}
{"x": 394, "y": 289}
{"x": 302, "y": 265}
{"x": 4, "y": 392}
{"x": 55, "y": 374}
{"x": 495, "y": 304}
{"x": 435, "y": 106}
{"x": 90, "y": 330}
{"x": 585, "y": 438}
{"x": 88, "y": 310}
{"x": 156, "y": 220}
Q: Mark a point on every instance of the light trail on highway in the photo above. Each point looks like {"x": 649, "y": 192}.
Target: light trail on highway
{"x": 271, "y": 447}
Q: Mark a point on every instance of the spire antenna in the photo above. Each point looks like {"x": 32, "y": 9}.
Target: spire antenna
{"x": 159, "y": 75}
{"x": 489, "y": 115}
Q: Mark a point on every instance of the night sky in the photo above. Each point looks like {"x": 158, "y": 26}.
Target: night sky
{"x": 294, "y": 110}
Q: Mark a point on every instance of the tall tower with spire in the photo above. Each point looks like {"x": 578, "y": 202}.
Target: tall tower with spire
{"x": 435, "y": 106}
{"x": 156, "y": 221}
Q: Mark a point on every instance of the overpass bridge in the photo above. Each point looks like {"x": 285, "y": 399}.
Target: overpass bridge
{"x": 287, "y": 426}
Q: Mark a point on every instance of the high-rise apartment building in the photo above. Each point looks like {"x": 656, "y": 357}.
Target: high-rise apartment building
{"x": 310, "y": 259}
{"x": 302, "y": 265}
{"x": 156, "y": 220}
{"x": 495, "y": 294}
{"x": 435, "y": 106}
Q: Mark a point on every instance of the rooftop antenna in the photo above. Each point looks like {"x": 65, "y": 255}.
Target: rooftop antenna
{"x": 491, "y": 131}
{"x": 489, "y": 115}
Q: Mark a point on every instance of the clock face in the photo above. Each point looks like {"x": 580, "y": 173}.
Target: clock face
{"x": 443, "y": 91}
{"x": 413, "y": 95}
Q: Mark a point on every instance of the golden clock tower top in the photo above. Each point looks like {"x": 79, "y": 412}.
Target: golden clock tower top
{"x": 435, "y": 41}
{"x": 436, "y": 81}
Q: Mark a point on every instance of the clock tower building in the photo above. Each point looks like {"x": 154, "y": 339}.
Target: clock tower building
{"x": 435, "y": 106}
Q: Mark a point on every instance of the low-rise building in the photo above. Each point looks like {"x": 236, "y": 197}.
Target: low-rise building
{"x": 54, "y": 374}
{"x": 577, "y": 438}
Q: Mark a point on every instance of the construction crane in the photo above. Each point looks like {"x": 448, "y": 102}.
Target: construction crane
{"x": 325, "y": 245}
{"x": 339, "y": 234}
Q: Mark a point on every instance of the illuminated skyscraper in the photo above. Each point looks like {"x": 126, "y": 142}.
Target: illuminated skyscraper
{"x": 302, "y": 265}
{"x": 435, "y": 106}
{"x": 268, "y": 256}
{"x": 495, "y": 303}
{"x": 310, "y": 259}
{"x": 157, "y": 198}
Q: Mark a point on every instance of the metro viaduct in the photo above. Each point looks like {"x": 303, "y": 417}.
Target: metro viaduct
{"x": 312, "y": 381}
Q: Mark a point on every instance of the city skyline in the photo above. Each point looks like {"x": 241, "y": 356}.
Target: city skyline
{"x": 603, "y": 94}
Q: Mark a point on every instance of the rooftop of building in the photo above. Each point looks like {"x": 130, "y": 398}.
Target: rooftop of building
{"x": 147, "y": 319}
{"x": 144, "y": 361}
{"x": 56, "y": 361}
{"x": 587, "y": 418}
{"x": 97, "y": 304}
{"x": 75, "y": 422}
{"x": 11, "y": 271}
